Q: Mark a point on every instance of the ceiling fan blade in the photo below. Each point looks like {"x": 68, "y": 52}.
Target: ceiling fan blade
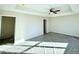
{"x": 57, "y": 10}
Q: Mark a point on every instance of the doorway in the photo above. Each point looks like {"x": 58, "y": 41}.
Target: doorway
{"x": 44, "y": 26}
{"x": 7, "y": 29}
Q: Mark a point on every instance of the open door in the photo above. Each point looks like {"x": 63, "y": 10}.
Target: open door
{"x": 8, "y": 29}
{"x": 44, "y": 26}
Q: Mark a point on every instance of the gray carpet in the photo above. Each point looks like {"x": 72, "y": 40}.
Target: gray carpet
{"x": 73, "y": 42}
{"x": 50, "y": 43}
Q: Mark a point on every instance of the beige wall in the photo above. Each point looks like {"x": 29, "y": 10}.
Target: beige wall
{"x": 66, "y": 24}
{"x": 26, "y": 26}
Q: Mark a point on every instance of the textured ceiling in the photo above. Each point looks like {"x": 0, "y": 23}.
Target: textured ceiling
{"x": 41, "y": 9}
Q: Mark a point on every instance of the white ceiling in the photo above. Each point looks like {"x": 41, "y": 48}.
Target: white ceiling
{"x": 42, "y": 9}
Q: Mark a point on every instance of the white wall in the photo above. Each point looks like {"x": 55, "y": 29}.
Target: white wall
{"x": 33, "y": 26}
{"x": 26, "y": 27}
{"x": 29, "y": 26}
{"x": 0, "y": 26}
{"x": 65, "y": 24}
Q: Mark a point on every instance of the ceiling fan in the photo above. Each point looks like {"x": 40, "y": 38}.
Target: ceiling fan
{"x": 52, "y": 10}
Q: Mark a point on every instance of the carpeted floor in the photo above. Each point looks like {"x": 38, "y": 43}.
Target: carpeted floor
{"x": 51, "y": 43}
